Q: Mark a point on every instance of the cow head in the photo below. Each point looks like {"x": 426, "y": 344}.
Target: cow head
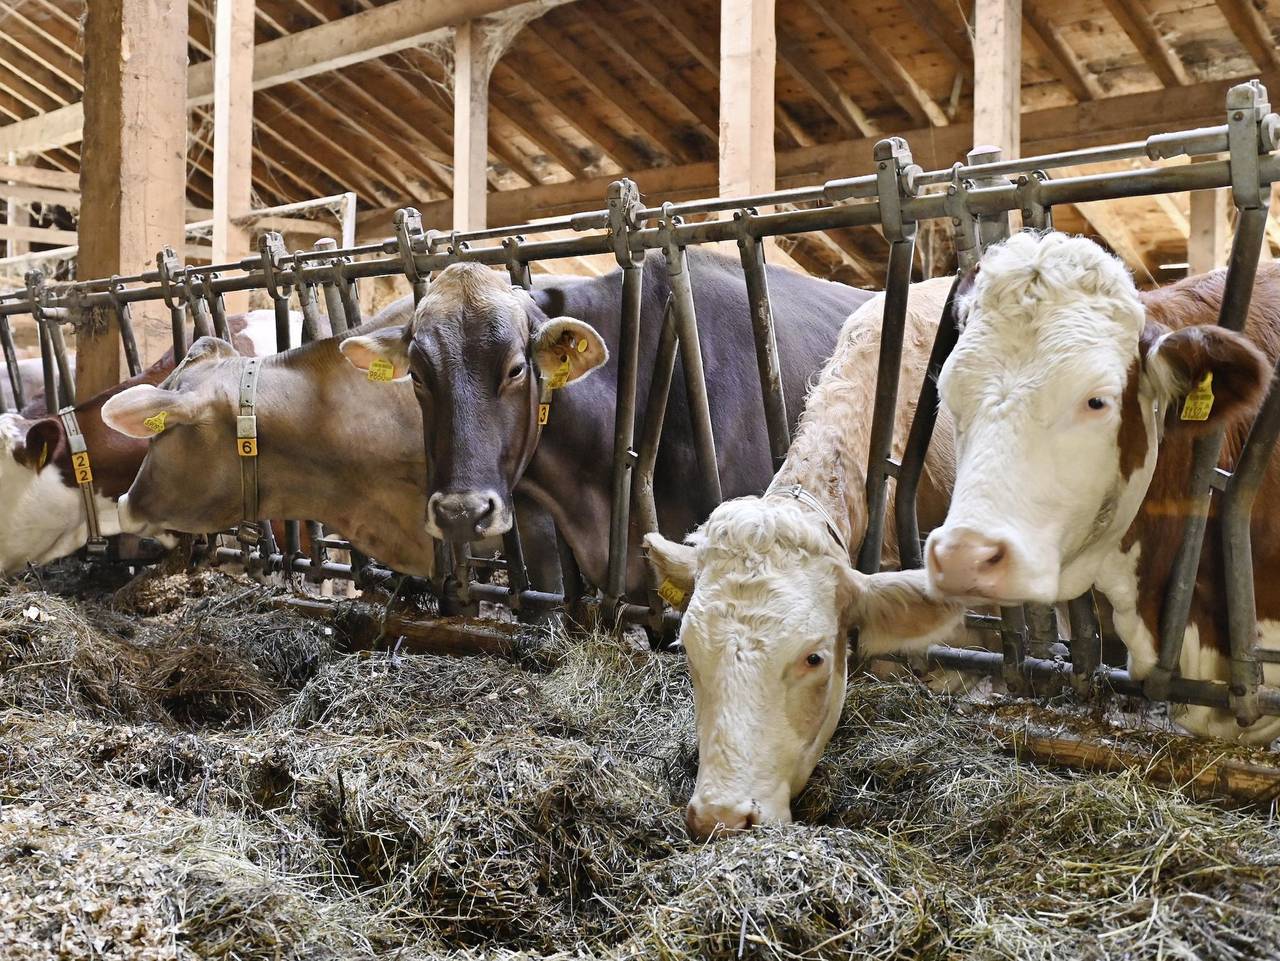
{"x": 477, "y": 351}
{"x": 1059, "y": 389}
{"x": 771, "y": 597}
{"x": 190, "y": 478}
{"x": 34, "y": 500}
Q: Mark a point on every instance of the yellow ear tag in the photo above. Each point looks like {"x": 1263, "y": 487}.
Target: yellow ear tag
{"x": 544, "y": 413}
{"x": 582, "y": 346}
{"x": 80, "y": 464}
{"x": 561, "y": 376}
{"x": 155, "y": 423}
{"x": 671, "y": 594}
{"x": 382, "y": 371}
{"x": 1200, "y": 401}
{"x": 44, "y": 457}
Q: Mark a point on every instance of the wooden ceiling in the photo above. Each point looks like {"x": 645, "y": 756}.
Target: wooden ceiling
{"x": 600, "y": 87}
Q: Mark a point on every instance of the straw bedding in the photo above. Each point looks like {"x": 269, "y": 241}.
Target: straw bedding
{"x": 218, "y": 779}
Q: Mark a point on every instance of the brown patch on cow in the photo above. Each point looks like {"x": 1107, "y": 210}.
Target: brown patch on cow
{"x": 1133, "y": 429}
{"x": 1161, "y": 520}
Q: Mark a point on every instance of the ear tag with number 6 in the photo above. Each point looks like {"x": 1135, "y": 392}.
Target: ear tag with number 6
{"x": 561, "y": 376}
{"x": 671, "y": 594}
{"x": 1199, "y": 402}
{"x": 155, "y": 423}
{"x": 382, "y": 371}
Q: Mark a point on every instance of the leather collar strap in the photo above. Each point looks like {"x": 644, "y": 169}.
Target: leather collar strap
{"x": 83, "y": 472}
{"x": 250, "y": 531}
{"x": 797, "y": 492}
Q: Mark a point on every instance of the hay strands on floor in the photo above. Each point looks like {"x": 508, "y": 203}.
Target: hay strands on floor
{"x": 1204, "y": 771}
{"x": 369, "y": 627}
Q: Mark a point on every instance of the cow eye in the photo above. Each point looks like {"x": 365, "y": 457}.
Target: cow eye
{"x": 1097, "y": 403}
{"x": 814, "y": 660}
{"x": 516, "y": 370}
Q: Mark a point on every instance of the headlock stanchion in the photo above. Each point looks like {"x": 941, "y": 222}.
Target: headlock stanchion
{"x": 976, "y": 196}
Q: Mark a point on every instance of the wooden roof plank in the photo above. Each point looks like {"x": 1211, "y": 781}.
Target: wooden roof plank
{"x": 851, "y": 118}
{"x": 1142, "y": 30}
{"x": 1251, "y": 29}
{"x": 1062, "y": 60}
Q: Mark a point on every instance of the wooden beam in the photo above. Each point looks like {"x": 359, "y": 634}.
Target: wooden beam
{"x": 939, "y": 24}
{"x": 520, "y": 117}
{"x": 36, "y": 235}
{"x": 232, "y": 134}
{"x": 851, "y": 118}
{"x": 1160, "y": 57}
{"x": 16, "y": 215}
{"x": 748, "y": 58}
{"x": 367, "y": 35}
{"x": 1111, "y": 120}
{"x": 1067, "y": 67}
{"x": 1208, "y": 241}
{"x": 39, "y": 177}
{"x": 1110, "y": 223}
{"x": 470, "y": 127}
{"x": 133, "y": 168}
{"x": 1251, "y": 29}
{"x": 850, "y": 30}
{"x": 997, "y": 74}
{"x": 67, "y": 199}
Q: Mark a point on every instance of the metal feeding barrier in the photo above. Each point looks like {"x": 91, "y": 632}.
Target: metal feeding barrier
{"x": 975, "y": 197}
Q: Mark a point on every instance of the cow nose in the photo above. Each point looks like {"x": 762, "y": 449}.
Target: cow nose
{"x": 464, "y": 516}
{"x": 702, "y": 819}
{"x": 964, "y": 562}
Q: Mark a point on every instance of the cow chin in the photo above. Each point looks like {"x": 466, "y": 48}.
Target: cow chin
{"x": 131, "y": 523}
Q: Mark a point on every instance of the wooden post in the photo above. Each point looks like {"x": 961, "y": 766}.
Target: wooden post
{"x": 232, "y": 134}
{"x": 1207, "y": 241}
{"x": 133, "y": 164}
{"x": 470, "y": 128}
{"x": 748, "y": 54}
{"x": 997, "y": 75}
{"x": 15, "y": 215}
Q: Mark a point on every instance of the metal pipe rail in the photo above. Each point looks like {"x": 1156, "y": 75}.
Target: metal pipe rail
{"x": 977, "y": 196}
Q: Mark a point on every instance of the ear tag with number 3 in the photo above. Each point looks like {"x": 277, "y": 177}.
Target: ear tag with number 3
{"x": 1200, "y": 401}
{"x": 155, "y": 423}
{"x": 382, "y": 371}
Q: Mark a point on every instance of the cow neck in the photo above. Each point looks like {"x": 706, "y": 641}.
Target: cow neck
{"x": 247, "y": 449}
{"x": 801, "y": 496}
{"x": 82, "y": 469}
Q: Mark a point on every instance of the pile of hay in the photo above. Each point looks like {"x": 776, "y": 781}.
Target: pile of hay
{"x": 220, "y": 780}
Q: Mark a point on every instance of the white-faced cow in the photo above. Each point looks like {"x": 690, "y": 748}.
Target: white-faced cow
{"x": 42, "y": 507}
{"x": 334, "y": 446}
{"x": 31, "y": 376}
{"x": 1069, "y": 392}
{"x": 478, "y": 351}
{"x": 772, "y": 590}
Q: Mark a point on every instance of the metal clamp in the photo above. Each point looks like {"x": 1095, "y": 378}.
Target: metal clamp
{"x": 1035, "y": 213}
{"x": 168, "y": 266}
{"x": 964, "y": 225}
{"x": 895, "y": 181}
{"x": 993, "y": 228}
{"x": 271, "y": 248}
{"x": 1247, "y": 108}
{"x": 517, "y": 268}
{"x": 624, "y": 203}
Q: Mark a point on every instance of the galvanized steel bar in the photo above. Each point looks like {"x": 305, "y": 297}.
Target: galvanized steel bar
{"x": 11, "y": 364}
{"x": 751, "y": 252}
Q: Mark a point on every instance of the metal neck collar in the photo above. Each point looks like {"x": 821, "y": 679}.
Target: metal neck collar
{"x": 83, "y": 471}
{"x": 250, "y": 531}
{"x": 798, "y": 493}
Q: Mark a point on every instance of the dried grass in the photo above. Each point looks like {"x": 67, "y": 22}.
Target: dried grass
{"x": 216, "y": 781}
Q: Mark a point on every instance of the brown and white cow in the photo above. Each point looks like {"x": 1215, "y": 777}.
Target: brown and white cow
{"x": 772, "y": 590}
{"x": 1076, "y": 402}
{"x": 333, "y": 446}
{"x": 42, "y": 508}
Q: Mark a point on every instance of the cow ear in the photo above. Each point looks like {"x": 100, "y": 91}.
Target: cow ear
{"x": 896, "y": 611}
{"x": 567, "y": 350}
{"x": 674, "y": 568}
{"x": 390, "y": 345}
{"x": 144, "y": 411}
{"x": 1211, "y": 377}
{"x": 40, "y": 444}
{"x": 208, "y": 348}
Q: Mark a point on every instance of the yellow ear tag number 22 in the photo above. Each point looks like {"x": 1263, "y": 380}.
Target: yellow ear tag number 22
{"x": 80, "y": 464}
{"x": 1200, "y": 401}
{"x": 155, "y": 423}
{"x": 671, "y": 594}
{"x": 382, "y": 371}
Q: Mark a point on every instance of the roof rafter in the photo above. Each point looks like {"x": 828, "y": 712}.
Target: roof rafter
{"x": 1142, "y": 30}
{"x": 1068, "y": 68}
{"x": 851, "y": 118}
{"x": 1250, "y": 27}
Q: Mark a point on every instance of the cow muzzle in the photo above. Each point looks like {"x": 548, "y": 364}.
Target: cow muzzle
{"x": 131, "y": 523}
{"x": 467, "y": 516}
{"x": 963, "y": 562}
{"x": 707, "y": 816}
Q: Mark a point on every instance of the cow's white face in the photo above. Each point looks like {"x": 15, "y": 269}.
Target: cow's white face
{"x": 765, "y": 639}
{"x": 43, "y": 517}
{"x": 1057, "y": 388}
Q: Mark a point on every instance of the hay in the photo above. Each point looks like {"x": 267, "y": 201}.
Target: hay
{"x": 218, "y": 781}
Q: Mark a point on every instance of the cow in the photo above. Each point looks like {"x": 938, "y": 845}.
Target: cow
{"x": 31, "y": 375}
{"x": 478, "y": 352}
{"x": 333, "y": 446}
{"x": 42, "y": 505}
{"x": 772, "y": 591}
{"x": 1076, "y": 402}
